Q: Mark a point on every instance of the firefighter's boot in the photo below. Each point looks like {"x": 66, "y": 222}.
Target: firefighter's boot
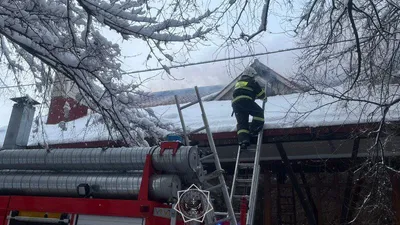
{"x": 244, "y": 144}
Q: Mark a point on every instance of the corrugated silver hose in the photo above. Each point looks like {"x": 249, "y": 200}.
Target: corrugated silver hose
{"x": 120, "y": 159}
{"x": 162, "y": 187}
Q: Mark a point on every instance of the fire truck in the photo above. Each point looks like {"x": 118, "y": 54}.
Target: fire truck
{"x": 95, "y": 186}
{"x": 126, "y": 185}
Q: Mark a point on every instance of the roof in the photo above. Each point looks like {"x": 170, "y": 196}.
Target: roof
{"x": 285, "y": 111}
{"x": 266, "y": 75}
{"x": 281, "y": 112}
{"x": 168, "y": 97}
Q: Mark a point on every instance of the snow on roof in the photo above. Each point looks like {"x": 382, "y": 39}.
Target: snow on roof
{"x": 84, "y": 129}
{"x": 184, "y": 95}
{"x": 285, "y": 111}
{"x": 2, "y": 135}
{"x": 266, "y": 75}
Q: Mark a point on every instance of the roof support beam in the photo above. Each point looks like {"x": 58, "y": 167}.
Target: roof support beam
{"x": 293, "y": 179}
{"x": 309, "y": 195}
{"x": 349, "y": 183}
{"x": 318, "y": 186}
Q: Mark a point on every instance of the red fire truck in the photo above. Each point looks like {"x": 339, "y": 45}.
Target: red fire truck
{"x": 35, "y": 189}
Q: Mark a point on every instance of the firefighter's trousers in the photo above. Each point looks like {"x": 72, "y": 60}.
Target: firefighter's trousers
{"x": 242, "y": 109}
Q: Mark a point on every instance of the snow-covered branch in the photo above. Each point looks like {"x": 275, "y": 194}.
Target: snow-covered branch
{"x": 352, "y": 72}
{"x": 263, "y": 24}
{"x": 117, "y": 17}
{"x": 63, "y": 36}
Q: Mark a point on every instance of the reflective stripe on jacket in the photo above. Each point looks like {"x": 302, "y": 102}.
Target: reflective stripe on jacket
{"x": 247, "y": 88}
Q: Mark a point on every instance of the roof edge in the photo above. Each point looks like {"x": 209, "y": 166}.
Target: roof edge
{"x": 257, "y": 64}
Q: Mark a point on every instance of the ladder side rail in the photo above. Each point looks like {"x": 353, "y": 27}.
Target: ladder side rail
{"x": 253, "y": 199}
{"x": 173, "y": 215}
{"x": 254, "y": 182}
{"x": 256, "y": 174}
{"x": 231, "y": 213}
{"x": 235, "y": 174}
{"x": 182, "y": 121}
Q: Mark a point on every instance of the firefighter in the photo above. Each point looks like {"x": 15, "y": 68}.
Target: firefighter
{"x": 246, "y": 91}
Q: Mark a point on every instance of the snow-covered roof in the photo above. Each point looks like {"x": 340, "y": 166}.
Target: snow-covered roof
{"x": 266, "y": 75}
{"x": 84, "y": 129}
{"x": 285, "y": 111}
{"x": 168, "y": 97}
{"x": 2, "y": 135}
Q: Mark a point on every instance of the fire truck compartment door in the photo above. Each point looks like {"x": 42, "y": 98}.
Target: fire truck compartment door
{"x": 108, "y": 220}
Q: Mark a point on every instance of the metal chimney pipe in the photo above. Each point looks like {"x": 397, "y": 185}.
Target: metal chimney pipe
{"x": 20, "y": 124}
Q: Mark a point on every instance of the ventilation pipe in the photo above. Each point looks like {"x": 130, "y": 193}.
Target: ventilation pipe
{"x": 20, "y": 124}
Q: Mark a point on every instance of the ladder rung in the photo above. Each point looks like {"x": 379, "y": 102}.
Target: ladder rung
{"x": 243, "y": 185}
{"x": 189, "y": 104}
{"x": 207, "y": 157}
{"x": 214, "y": 174}
{"x": 246, "y": 165}
{"x": 251, "y": 150}
{"x": 197, "y": 130}
{"x": 224, "y": 214}
{"x": 240, "y": 196}
{"x": 241, "y": 180}
{"x": 247, "y": 149}
{"x": 214, "y": 187}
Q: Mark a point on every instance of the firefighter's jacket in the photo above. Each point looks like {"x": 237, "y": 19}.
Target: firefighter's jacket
{"x": 248, "y": 88}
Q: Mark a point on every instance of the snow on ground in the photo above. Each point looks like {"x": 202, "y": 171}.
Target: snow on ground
{"x": 286, "y": 111}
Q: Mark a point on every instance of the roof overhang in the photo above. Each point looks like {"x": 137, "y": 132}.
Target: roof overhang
{"x": 307, "y": 143}
{"x": 313, "y": 144}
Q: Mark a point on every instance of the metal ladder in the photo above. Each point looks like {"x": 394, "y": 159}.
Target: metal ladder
{"x": 219, "y": 171}
{"x": 248, "y": 183}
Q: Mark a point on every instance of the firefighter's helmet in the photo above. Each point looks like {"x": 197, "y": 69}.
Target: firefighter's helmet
{"x": 250, "y": 72}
